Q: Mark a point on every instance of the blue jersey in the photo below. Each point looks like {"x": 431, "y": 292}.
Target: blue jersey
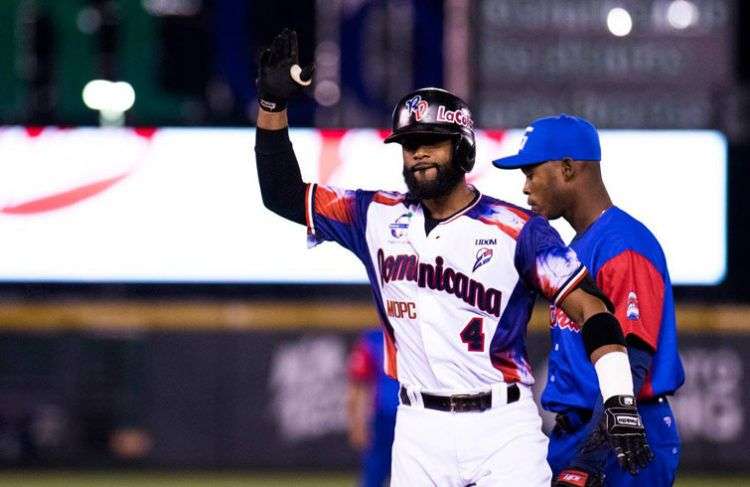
{"x": 366, "y": 365}
{"x": 629, "y": 267}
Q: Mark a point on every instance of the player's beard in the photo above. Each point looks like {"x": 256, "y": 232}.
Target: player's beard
{"x": 447, "y": 178}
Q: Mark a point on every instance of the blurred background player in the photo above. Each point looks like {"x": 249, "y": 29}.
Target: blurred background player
{"x": 372, "y": 404}
{"x": 560, "y": 157}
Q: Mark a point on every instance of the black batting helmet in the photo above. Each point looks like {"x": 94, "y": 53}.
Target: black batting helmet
{"x": 436, "y": 111}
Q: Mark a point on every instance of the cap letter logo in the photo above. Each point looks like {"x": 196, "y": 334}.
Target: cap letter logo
{"x": 525, "y": 137}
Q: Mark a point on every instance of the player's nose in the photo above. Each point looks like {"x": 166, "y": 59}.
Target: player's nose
{"x": 421, "y": 152}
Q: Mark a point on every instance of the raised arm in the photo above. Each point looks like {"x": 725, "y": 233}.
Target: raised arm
{"x": 279, "y": 78}
{"x": 280, "y": 180}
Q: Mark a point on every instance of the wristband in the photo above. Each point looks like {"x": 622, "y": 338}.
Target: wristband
{"x": 613, "y": 373}
{"x": 599, "y": 330}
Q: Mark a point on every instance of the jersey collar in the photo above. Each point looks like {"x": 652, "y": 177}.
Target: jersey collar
{"x": 459, "y": 213}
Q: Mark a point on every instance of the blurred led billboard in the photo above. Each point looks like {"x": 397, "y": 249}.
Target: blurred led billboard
{"x": 629, "y": 64}
{"x": 183, "y": 205}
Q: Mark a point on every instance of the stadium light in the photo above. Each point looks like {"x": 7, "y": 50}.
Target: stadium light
{"x": 111, "y": 98}
{"x": 681, "y": 14}
{"x": 619, "y": 22}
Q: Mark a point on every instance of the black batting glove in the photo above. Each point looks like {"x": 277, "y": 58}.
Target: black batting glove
{"x": 279, "y": 75}
{"x": 576, "y": 477}
{"x": 625, "y": 433}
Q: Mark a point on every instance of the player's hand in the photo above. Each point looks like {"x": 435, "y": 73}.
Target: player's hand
{"x": 279, "y": 74}
{"x": 576, "y": 477}
{"x": 626, "y": 434}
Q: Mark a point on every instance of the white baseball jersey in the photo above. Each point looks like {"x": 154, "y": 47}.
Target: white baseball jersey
{"x": 455, "y": 303}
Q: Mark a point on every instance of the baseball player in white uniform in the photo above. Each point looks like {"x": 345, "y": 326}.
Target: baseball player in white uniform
{"x": 454, "y": 275}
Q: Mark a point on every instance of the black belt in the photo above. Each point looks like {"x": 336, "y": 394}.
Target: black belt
{"x": 460, "y": 403}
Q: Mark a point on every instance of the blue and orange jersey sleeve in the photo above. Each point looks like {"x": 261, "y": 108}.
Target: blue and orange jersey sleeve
{"x": 545, "y": 263}
{"x": 363, "y": 366}
{"x": 636, "y": 288}
{"x": 337, "y": 215}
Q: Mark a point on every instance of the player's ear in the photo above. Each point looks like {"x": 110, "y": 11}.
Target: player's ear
{"x": 568, "y": 168}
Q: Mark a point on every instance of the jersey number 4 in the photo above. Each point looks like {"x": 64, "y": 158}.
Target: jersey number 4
{"x": 473, "y": 336}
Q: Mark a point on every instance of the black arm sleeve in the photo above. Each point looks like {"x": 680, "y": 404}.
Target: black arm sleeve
{"x": 281, "y": 184}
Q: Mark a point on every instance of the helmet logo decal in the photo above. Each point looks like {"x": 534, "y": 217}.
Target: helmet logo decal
{"x": 417, "y": 106}
{"x": 460, "y": 117}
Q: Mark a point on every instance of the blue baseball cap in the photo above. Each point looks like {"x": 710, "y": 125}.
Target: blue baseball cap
{"x": 554, "y": 139}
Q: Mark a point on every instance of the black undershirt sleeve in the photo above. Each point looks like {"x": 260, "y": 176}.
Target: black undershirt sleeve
{"x": 281, "y": 184}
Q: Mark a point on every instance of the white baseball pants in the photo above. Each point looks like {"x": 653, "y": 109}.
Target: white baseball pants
{"x": 502, "y": 446}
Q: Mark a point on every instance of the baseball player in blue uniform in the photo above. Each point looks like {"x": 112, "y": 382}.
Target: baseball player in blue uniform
{"x": 373, "y": 399}
{"x": 560, "y": 158}
{"x": 454, "y": 276}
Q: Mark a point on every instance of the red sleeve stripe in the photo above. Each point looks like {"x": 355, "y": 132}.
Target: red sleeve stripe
{"x": 334, "y": 204}
{"x": 569, "y": 286}
{"x": 385, "y": 199}
{"x": 309, "y": 205}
